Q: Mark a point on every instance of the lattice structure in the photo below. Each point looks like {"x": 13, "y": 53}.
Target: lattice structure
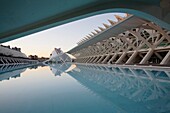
{"x": 126, "y": 42}
{"x": 12, "y": 60}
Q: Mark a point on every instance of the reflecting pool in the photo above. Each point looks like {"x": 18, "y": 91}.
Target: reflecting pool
{"x": 71, "y": 88}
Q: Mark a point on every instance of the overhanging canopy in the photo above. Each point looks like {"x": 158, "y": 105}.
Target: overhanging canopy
{"x": 22, "y": 17}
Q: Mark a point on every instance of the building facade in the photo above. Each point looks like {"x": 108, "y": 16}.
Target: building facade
{"x": 13, "y": 56}
{"x": 130, "y": 40}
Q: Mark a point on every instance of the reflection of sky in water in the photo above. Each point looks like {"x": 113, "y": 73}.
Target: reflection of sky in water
{"x": 85, "y": 89}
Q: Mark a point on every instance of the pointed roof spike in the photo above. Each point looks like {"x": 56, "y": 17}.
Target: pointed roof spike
{"x": 106, "y": 26}
{"x": 119, "y": 18}
{"x": 83, "y": 39}
{"x": 111, "y": 22}
{"x": 93, "y": 33}
{"x": 88, "y": 36}
{"x": 102, "y": 29}
{"x": 97, "y": 31}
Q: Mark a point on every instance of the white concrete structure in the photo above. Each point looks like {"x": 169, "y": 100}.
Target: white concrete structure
{"x": 7, "y": 72}
{"x": 130, "y": 40}
{"x": 59, "y": 69}
{"x": 11, "y": 56}
{"x": 10, "y": 52}
{"x": 58, "y": 56}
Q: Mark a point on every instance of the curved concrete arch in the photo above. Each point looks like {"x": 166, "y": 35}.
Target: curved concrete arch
{"x": 34, "y": 16}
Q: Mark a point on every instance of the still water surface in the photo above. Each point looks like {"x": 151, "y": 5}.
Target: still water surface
{"x": 83, "y": 89}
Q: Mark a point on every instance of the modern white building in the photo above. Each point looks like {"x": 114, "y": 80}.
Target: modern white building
{"x": 129, "y": 40}
{"x": 58, "y": 56}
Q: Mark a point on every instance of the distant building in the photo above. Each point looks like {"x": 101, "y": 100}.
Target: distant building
{"x": 11, "y": 52}
{"x": 13, "y": 55}
{"x": 33, "y": 57}
{"x": 58, "y": 56}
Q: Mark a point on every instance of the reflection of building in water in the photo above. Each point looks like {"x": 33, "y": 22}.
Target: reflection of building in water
{"x": 148, "y": 90}
{"x": 58, "y": 69}
{"x": 34, "y": 67}
{"x": 13, "y": 56}
{"x": 13, "y": 71}
{"x": 10, "y": 72}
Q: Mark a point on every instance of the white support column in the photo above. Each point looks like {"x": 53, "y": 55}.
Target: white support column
{"x": 121, "y": 58}
{"x": 91, "y": 61}
{"x": 166, "y": 59}
{"x": 104, "y": 61}
{"x": 100, "y": 59}
{"x": 2, "y": 61}
{"x": 147, "y": 56}
{"x": 6, "y": 59}
{"x": 88, "y": 60}
{"x": 137, "y": 35}
{"x": 160, "y": 30}
{"x": 114, "y": 56}
{"x": 127, "y": 41}
{"x": 159, "y": 41}
{"x": 158, "y": 55}
{"x": 130, "y": 60}
{"x": 13, "y": 61}
{"x": 96, "y": 59}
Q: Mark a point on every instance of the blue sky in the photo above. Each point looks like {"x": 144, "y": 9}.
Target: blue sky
{"x": 64, "y": 36}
